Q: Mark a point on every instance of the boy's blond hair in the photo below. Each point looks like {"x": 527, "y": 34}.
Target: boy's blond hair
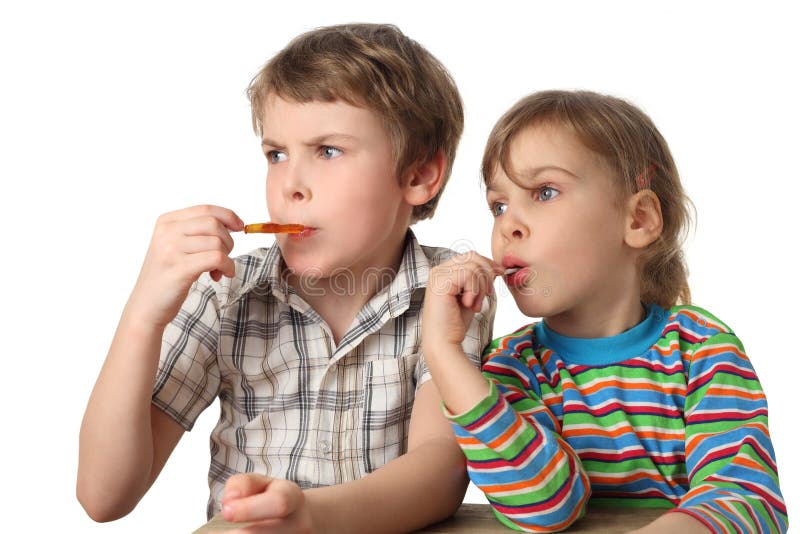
{"x": 626, "y": 138}
{"x": 377, "y": 67}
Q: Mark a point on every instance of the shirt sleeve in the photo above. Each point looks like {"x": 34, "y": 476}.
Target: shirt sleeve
{"x": 730, "y": 460}
{"x": 532, "y": 478}
{"x": 188, "y": 377}
{"x": 479, "y": 335}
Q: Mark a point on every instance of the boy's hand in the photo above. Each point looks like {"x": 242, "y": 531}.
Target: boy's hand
{"x": 455, "y": 291}
{"x": 268, "y": 505}
{"x": 185, "y": 243}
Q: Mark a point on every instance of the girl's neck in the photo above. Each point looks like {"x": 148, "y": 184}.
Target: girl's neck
{"x": 599, "y": 320}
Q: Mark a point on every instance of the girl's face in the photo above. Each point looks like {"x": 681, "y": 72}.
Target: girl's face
{"x": 562, "y": 221}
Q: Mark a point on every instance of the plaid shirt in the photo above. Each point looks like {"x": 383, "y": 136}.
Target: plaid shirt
{"x": 293, "y": 404}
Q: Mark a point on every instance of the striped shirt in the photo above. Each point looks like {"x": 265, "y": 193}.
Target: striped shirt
{"x": 667, "y": 414}
{"x": 293, "y": 404}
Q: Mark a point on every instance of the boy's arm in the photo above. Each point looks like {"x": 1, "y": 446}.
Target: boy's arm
{"x": 421, "y": 487}
{"x": 425, "y": 485}
{"x": 124, "y": 440}
{"x": 730, "y": 460}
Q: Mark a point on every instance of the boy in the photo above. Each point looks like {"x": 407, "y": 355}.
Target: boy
{"x": 313, "y": 345}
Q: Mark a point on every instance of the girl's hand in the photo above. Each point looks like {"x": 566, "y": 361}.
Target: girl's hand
{"x": 185, "y": 243}
{"x": 268, "y": 505}
{"x": 455, "y": 291}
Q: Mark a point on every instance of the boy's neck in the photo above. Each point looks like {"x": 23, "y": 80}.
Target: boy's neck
{"x": 339, "y": 308}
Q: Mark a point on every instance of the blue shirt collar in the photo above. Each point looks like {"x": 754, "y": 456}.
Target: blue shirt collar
{"x": 606, "y": 350}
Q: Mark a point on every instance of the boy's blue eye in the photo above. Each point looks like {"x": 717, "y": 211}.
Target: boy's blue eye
{"x": 330, "y": 152}
{"x": 275, "y": 156}
{"x": 546, "y": 193}
{"x": 497, "y": 208}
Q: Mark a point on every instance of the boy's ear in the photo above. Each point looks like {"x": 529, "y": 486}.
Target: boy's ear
{"x": 424, "y": 179}
{"x": 643, "y": 220}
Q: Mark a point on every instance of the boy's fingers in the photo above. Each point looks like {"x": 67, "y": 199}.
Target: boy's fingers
{"x": 244, "y": 484}
{"x": 212, "y": 260}
{"x": 202, "y": 243}
{"x": 228, "y": 218}
{"x": 279, "y": 499}
{"x": 205, "y": 225}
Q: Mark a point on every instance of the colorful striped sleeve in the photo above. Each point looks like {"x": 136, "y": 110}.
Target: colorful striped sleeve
{"x": 729, "y": 455}
{"x": 515, "y": 455}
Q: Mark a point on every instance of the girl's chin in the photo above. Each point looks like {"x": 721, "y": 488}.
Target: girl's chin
{"x": 533, "y": 303}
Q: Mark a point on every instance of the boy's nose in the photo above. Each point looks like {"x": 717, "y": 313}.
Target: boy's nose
{"x": 295, "y": 187}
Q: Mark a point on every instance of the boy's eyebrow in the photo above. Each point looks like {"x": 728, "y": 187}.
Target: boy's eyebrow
{"x": 319, "y": 140}
{"x": 269, "y": 142}
{"x": 329, "y": 137}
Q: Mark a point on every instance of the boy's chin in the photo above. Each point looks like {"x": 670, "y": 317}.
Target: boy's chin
{"x": 310, "y": 271}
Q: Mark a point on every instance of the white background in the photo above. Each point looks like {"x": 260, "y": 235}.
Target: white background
{"x": 111, "y": 115}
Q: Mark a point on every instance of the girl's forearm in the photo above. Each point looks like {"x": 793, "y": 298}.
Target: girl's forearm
{"x": 116, "y": 444}
{"x": 459, "y": 382}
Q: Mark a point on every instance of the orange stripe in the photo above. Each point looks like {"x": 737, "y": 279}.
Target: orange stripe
{"x": 655, "y": 434}
{"x": 748, "y": 462}
{"x": 697, "y": 318}
{"x": 711, "y": 351}
{"x": 676, "y": 388}
{"x": 632, "y": 478}
{"x": 702, "y": 435}
{"x": 722, "y": 392}
{"x": 546, "y": 472}
{"x": 502, "y": 438}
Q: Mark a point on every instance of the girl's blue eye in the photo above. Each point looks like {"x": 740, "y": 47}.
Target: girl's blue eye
{"x": 330, "y": 152}
{"x": 275, "y": 156}
{"x": 546, "y": 193}
{"x": 498, "y": 208}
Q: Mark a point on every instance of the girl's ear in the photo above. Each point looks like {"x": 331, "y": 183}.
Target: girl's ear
{"x": 643, "y": 221}
{"x": 424, "y": 180}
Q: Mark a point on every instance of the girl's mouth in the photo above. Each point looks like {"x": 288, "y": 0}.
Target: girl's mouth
{"x": 517, "y": 276}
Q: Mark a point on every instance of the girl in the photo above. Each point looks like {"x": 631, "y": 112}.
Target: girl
{"x": 624, "y": 392}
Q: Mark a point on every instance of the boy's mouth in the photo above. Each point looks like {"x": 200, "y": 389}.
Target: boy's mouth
{"x": 307, "y": 232}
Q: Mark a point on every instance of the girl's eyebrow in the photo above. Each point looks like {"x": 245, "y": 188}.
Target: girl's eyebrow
{"x": 531, "y": 173}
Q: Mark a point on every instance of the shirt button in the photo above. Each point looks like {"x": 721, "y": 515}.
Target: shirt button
{"x": 325, "y": 446}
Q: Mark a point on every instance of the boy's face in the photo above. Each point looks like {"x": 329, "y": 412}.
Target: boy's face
{"x": 565, "y": 226}
{"x": 330, "y": 167}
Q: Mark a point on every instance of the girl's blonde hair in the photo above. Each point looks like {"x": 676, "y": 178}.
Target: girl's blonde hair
{"x": 628, "y": 141}
{"x": 377, "y": 67}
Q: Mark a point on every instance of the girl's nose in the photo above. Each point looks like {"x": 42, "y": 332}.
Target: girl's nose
{"x": 514, "y": 228}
